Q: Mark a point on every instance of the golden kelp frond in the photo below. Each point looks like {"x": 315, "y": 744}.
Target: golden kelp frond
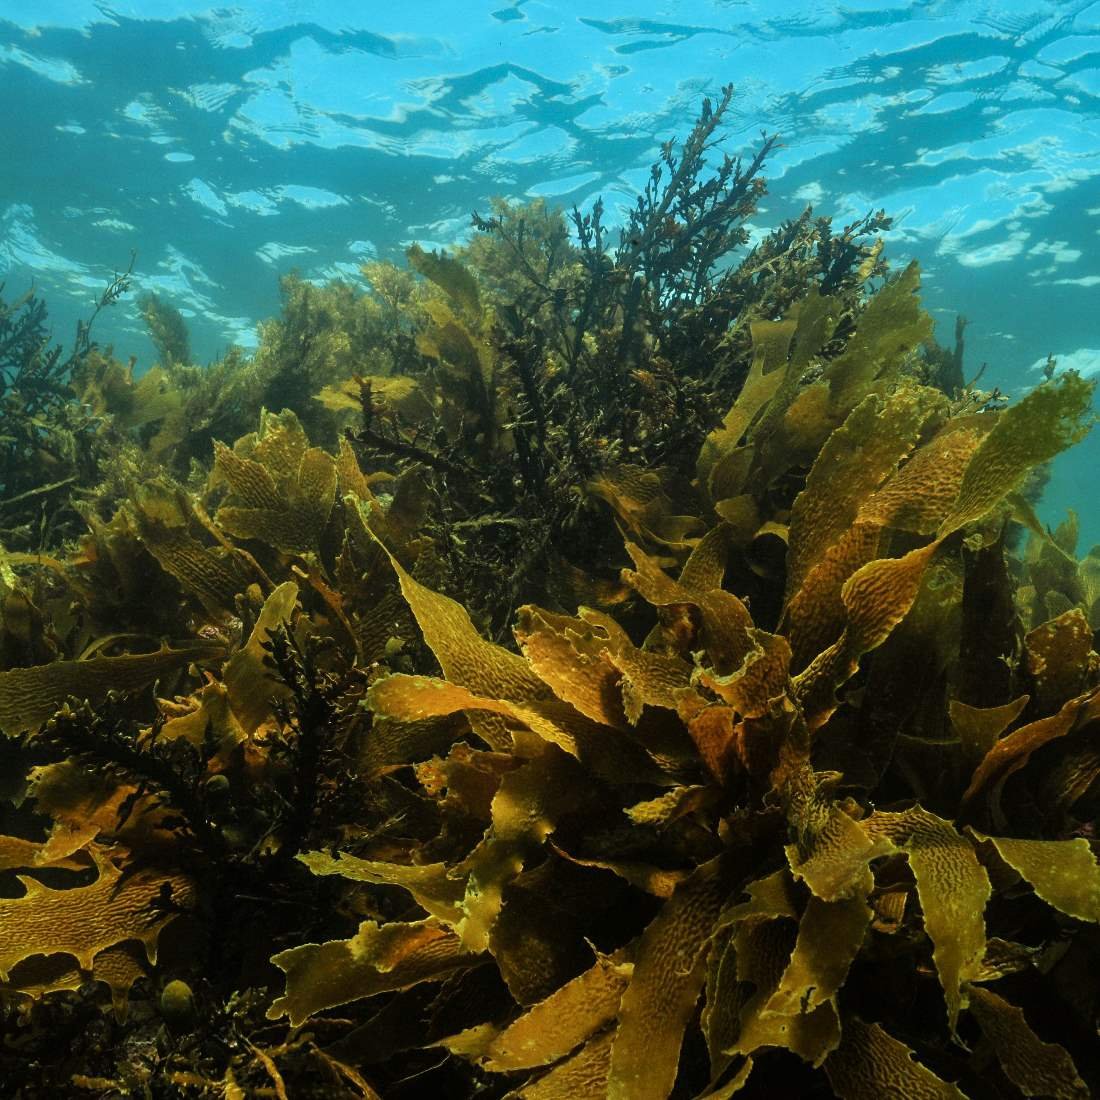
{"x": 526, "y": 808}
{"x": 876, "y": 598}
{"x": 734, "y": 1084}
{"x": 856, "y": 460}
{"x": 430, "y": 885}
{"x": 278, "y": 444}
{"x": 250, "y": 482}
{"x": 642, "y": 503}
{"x": 17, "y": 854}
{"x": 668, "y": 976}
{"x": 782, "y": 353}
{"x": 165, "y": 522}
{"x": 720, "y": 458}
{"x": 918, "y": 496}
{"x": 953, "y": 888}
{"x": 584, "y": 1076}
{"x": 837, "y": 520}
{"x": 658, "y": 881}
{"x": 466, "y": 781}
{"x": 795, "y": 961}
{"x": 451, "y": 276}
{"x": 669, "y": 807}
{"x": 726, "y": 627}
{"x": 1059, "y": 659}
{"x": 118, "y": 967}
{"x": 762, "y": 677}
{"x": 378, "y": 958}
{"x": 887, "y": 335}
{"x": 870, "y": 1064}
{"x": 607, "y": 753}
{"x": 553, "y": 1028}
{"x": 978, "y": 728}
{"x": 1034, "y": 1067}
{"x": 724, "y": 997}
{"x": 38, "y": 975}
{"x": 368, "y": 587}
{"x": 1089, "y": 573}
{"x": 763, "y": 947}
{"x": 408, "y": 397}
{"x": 80, "y": 804}
{"x": 830, "y": 935}
{"x": 1012, "y": 752}
{"x": 393, "y": 743}
{"x": 1064, "y": 873}
{"x": 1057, "y": 582}
{"x": 567, "y": 654}
{"x": 81, "y": 921}
{"x": 465, "y": 657}
{"x": 273, "y": 499}
{"x": 247, "y": 677}
{"x": 350, "y": 479}
{"x": 890, "y": 329}
{"x": 109, "y": 389}
{"x": 475, "y": 400}
{"x": 836, "y": 865}
{"x": 775, "y": 895}
{"x": 207, "y": 718}
{"x": 1043, "y": 423}
{"x": 29, "y": 696}
{"x": 459, "y": 350}
{"x": 118, "y": 583}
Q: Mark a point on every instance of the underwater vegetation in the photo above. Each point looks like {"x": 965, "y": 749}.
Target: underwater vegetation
{"x": 579, "y": 665}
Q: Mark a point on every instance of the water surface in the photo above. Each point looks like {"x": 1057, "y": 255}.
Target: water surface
{"x": 227, "y": 145}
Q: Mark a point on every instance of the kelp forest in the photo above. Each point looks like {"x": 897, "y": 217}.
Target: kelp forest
{"x": 581, "y": 663}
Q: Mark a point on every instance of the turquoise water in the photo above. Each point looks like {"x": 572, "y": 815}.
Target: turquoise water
{"x": 228, "y": 145}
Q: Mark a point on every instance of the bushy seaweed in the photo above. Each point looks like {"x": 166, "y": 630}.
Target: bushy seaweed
{"x": 566, "y": 669}
{"x": 554, "y": 356}
{"x": 50, "y": 445}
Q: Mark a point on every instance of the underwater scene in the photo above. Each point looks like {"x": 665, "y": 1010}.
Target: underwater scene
{"x": 549, "y": 550}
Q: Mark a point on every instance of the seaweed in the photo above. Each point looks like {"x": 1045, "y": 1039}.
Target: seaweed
{"x": 577, "y": 359}
{"x": 50, "y": 446}
{"x": 559, "y": 669}
{"x": 167, "y": 329}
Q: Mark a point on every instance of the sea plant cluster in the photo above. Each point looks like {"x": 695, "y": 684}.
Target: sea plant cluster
{"x": 579, "y": 664}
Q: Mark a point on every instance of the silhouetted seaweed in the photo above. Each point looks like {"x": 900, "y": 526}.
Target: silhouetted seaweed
{"x": 50, "y": 447}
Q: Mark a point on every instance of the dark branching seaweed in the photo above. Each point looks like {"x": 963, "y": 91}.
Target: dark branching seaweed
{"x": 587, "y": 356}
{"x": 112, "y": 294}
{"x": 313, "y": 741}
{"x": 168, "y": 776}
{"x": 48, "y": 443}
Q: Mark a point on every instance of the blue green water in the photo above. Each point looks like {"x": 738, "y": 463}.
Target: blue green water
{"x": 227, "y": 145}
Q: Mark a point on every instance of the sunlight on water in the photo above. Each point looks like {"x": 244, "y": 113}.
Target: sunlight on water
{"x": 226, "y": 146}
